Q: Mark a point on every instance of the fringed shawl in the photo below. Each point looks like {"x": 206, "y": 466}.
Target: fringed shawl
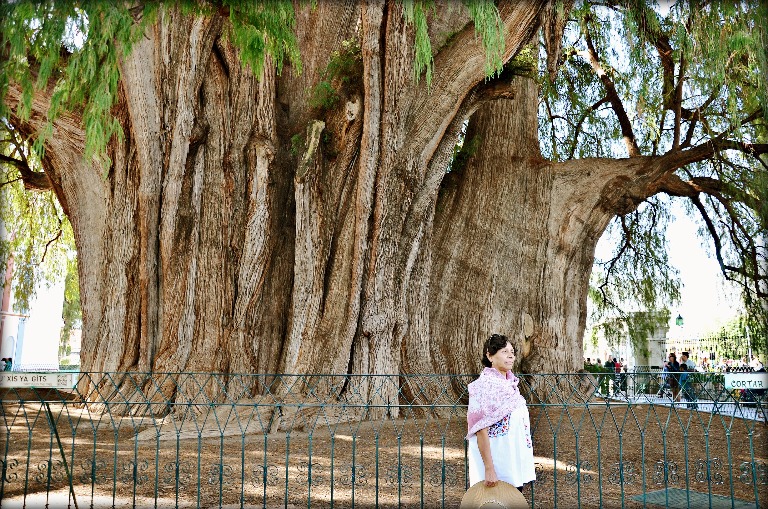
{"x": 491, "y": 398}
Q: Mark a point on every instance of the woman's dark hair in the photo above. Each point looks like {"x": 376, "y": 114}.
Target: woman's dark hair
{"x": 492, "y": 345}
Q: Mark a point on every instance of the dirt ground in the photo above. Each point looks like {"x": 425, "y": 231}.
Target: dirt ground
{"x": 586, "y": 456}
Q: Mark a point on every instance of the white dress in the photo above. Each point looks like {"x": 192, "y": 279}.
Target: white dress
{"x": 511, "y": 450}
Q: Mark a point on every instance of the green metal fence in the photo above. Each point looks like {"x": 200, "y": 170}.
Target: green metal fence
{"x": 214, "y": 440}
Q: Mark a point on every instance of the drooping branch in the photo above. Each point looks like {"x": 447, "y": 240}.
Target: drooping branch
{"x": 33, "y": 180}
{"x": 627, "y": 132}
{"x": 580, "y": 123}
{"x": 692, "y": 189}
{"x": 48, "y": 244}
{"x": 696, "y": 116}
{"x": 625, "y": 245}
{"x": 726, "y": 268}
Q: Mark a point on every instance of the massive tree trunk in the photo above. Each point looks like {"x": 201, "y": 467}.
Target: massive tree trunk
{"x": 514, "y": 243}
{"x": 515, "y": 235}
{"x": 237, "y": 228}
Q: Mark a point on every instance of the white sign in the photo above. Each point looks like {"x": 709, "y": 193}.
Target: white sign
{"x": 55, "y": 380}
{"x": 746, "y": 381}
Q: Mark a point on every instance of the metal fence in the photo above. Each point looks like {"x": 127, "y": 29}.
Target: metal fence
{"x": 215, "y": 440}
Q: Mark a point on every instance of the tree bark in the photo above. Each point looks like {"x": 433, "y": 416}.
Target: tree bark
{"x": 211, "y": 241}
{"x": 515, "y": 235}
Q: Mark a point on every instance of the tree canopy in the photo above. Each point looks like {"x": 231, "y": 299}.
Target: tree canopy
{"x": 638, "y": 81}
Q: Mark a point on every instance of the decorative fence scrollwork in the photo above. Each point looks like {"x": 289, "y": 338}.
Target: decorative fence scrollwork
{"x": 709, "y": 471}
{"x": 579, "y": 473}
{"x": 622, "y": 472}
{"x": 760, "y": 473}
{"x": 665, "y": 472}
{"x": 9, "y": 470}
{"x": 177, "y": 473}
{"x": 399, "y": 475}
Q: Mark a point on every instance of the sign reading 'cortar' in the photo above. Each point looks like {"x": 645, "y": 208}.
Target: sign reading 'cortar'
{"x": 55, "y": 380}
{"x": 752, "y": 381}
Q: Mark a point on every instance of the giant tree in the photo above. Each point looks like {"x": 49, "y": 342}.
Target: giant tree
{"x": 278, "y": 187}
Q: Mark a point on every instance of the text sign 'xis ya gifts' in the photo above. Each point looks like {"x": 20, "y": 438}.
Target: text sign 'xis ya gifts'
{"x": 55, "y": 380}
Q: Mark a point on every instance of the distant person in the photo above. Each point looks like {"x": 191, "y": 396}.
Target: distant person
{"x": 623, "y": 379}
{"x": 669, "y": 376}
{"x": 8, "y": 364}
{"x": 673, "y": 368}
{"x": 685, "y": 358}
{"x": 616, "y": 376}
{"x": 686, "y": 385}
{"x": 609, "y": 366}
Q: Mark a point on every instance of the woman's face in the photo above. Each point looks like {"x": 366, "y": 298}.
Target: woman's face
{"x": 504, "y": 359}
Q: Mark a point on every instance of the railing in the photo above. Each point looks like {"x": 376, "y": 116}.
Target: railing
{"x": 210, "y": 440}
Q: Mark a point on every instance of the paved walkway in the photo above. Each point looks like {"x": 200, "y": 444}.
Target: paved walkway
{"x": 724, "y": 408}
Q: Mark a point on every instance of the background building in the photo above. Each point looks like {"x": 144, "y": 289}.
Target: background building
{"x": 647, "y": 353}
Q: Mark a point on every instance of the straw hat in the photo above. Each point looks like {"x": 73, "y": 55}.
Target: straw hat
{"x": 501, "y": 496}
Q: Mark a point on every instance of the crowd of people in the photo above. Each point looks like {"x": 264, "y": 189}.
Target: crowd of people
{"x": 677, "y": 380}
{"x": 705, "y": 365}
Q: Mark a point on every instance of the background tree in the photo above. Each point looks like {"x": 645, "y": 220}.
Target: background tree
{"x": 37, "y": 237}
{"x": 691, "y": 79}
{"x": 235, "y": 211}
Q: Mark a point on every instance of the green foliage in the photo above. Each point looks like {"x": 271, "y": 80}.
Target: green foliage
{"x": 324, "y": 96}
{"x": 488, "y": 26}
{"x": 298, "y": 144}
{"x": 341, "y": 76}
{"x": 71, "y": 312}
{"x": 264, "y": 29}
{"x": 38, "y": 236}
{"x": 415, "y": 13}
{"x": 75, "y": 46}
{"x": 490, "y": 29}
{"x": 463, "y": 152}
{"x": 594, "y": 368}
{"x": 731, "y": 339}
{"x": 525, "y": 63}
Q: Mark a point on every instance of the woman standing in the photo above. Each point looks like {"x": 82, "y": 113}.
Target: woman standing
{"x": 499, "y": 428}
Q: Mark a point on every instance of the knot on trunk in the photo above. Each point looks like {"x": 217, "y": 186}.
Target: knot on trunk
{"x": 308, "y": 158}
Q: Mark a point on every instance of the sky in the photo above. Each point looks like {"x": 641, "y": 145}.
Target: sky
{"x": 707, "y": 300}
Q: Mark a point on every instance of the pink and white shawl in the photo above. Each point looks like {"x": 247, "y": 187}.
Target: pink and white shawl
{"x": 491, "y": 398}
